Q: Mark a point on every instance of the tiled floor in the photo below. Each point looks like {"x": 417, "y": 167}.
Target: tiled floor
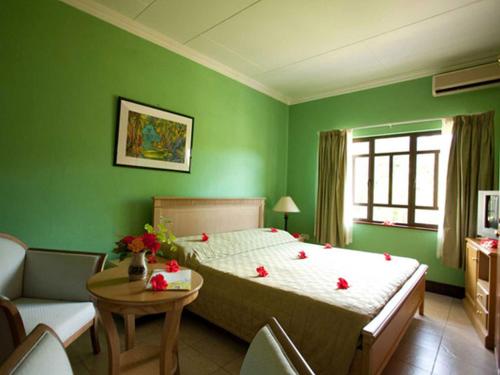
{"x": 441, "y": 342}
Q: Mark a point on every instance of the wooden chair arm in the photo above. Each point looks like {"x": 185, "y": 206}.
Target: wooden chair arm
{"x": 291, "y": 351}
{"x": 14, "y": 319}
{"x": 24, "y": 349}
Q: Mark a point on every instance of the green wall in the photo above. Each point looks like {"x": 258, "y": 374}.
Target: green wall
{"x": 61, "y": 72}
{"x": 411, "y": 100}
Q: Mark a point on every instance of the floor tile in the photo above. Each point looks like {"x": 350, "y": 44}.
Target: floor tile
{"x": 397, "y": 367}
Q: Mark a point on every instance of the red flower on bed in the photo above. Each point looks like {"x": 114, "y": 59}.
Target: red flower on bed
{"x": 328, "y": 245}
{"x": 387, "y": 256}
{"x": 158, "y": 283}
{"x": 204, "y": 237}
{"x": 152, "y": 258}
{"x": 342, "y": 283}
{"x": 302, "y": 254}
{"x": 262, "y": 271}
{"x": 296, "y": 235}
{"x": 274, "y": 230}
{"x": 172, "y": 266}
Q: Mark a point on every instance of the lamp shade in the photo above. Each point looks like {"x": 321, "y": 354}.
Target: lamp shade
{"x": 286, "y": 204}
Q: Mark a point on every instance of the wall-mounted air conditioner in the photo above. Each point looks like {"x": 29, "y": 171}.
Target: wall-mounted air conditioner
{"x": 469, "y": 79}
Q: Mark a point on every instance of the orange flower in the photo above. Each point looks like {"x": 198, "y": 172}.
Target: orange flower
{"x": 137, "y": 245}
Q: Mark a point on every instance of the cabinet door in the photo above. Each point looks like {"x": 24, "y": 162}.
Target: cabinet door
{"x": 471, "y": 273}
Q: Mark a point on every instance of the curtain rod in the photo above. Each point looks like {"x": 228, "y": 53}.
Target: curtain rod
{"x": 389, "y": 124}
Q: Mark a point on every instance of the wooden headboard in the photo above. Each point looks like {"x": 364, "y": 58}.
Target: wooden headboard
{"x": 191, "y": 216}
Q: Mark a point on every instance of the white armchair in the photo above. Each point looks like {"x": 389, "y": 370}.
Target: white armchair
{"x": 45, "y": 286}
{"x": 271, "y": 352}
{"x": 40, "y": 353}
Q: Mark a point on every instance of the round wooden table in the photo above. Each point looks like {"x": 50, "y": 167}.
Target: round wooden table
{"x": 113, "y": 293}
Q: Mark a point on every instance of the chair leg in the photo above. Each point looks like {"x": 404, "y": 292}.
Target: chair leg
{"x": 94, "y": 337}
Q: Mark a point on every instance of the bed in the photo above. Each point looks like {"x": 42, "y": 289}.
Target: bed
{"x": 338, "y": 331}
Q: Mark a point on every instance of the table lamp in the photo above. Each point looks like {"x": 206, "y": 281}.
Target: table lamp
{"x": 286, "y": 205}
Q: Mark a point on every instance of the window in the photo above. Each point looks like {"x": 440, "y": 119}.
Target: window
{"x": 395, "y": 179}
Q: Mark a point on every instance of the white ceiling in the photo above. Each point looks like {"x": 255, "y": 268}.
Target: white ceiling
{"x": 299, "y": 50}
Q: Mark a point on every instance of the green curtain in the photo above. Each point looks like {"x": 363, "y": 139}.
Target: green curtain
{"x": 470, "y": 169}
{"x": 332, "y": 166}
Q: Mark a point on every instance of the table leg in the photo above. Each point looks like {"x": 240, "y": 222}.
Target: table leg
{"x": 129, "y": 320}
{"x": 113, "y": 341}
{"x": 168, "y": 348}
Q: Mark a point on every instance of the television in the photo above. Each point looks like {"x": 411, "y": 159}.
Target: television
{"x": 488, "y": 213}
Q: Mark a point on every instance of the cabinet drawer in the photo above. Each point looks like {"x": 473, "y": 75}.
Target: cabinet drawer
{"x": 482, "y": 300}
{"x": 482, "y": 316}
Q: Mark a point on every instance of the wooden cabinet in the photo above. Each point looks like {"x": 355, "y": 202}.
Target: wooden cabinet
{"x": 480, "y": 289}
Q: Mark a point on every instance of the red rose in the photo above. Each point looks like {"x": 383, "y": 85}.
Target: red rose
{"x": 296, "y": 235}
{"x": 328, "y": 246}
{"x": 342, "y": 283}
{"x": 127, "y": 239}
{"x": 387, "y": 256}
{"x": 172, "y": 266}
{"x": 158, "y": 282}
{"x": 204, "y": 237}
{"x": 302, "y": 254}
{"x": 262, "y": 271}
{"x": 149, "y": 240}
{"x": 274, "y": 230}
{"x": 151, "y": 258}
{"x": 155, "y": 248}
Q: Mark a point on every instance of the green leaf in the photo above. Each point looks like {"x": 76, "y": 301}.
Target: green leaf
{"x": 149, "y": 228}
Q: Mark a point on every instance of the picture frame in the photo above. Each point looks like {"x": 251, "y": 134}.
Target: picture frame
{"x": 153, "y": 137}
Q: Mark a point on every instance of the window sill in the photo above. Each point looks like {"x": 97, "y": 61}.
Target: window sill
{"x": 415, "y": 227}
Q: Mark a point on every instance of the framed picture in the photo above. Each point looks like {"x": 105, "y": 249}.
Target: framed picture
{"x": 150, "y": 137}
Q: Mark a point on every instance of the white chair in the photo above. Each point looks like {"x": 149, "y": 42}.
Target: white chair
{"x": 271, "y": 352}
{"x": 45, "y": 286}
{"x": 40, "y": 353}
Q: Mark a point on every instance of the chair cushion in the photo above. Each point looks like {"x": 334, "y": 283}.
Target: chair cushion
{"x": 58, "y": 275}
{"x": 47, "y": 356}
{"x": 65, "y": 318}
{"x": 11, "y": 268}
{"x": 266, "y": 356}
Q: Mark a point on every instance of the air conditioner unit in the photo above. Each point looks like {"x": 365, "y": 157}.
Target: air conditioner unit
{"x": 469, "y": 79}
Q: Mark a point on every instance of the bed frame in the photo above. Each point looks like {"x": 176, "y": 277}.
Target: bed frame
{"x": 380, "y": 337}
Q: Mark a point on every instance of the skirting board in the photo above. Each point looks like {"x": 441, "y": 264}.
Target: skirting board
{"x": 445, "y": 289}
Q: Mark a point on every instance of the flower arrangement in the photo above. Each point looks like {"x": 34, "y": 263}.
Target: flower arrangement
{"x": 147, "y": 242}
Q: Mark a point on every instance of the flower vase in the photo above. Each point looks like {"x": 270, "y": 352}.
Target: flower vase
{"x": 137, "y": 270}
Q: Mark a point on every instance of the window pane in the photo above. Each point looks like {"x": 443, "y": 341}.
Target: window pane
{"x": 360, "y": 212}
{"x": 424, "y": 194}
{"x": 360, "y": 148}
{"x": 393, "y": 214}
{"x": 400, "y": 177}
{"x": 361, "y": 179}
{"x": 426, "y": 217}
{"x": 393, "y": 144}
{"x": 381, "y": 180}
{"x": 429, "y": 142}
